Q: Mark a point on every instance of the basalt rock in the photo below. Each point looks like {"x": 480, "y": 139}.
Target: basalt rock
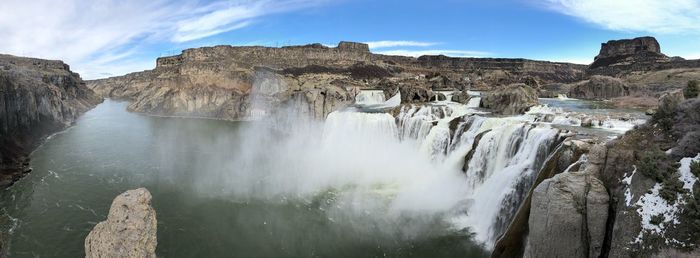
{"x": 511, "y": 100}
{"x": 129, "y": 231}
{"x": 461, "y": 97}
{"x": 568, "y": 217}
{"x": 599, "y": 88}
{"x": 627, "y": 56}
{"x": 37, "y": 98}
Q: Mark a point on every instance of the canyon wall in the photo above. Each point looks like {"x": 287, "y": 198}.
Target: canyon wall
{"x": 218, "y": 82}
{"x": 37, "y": 97}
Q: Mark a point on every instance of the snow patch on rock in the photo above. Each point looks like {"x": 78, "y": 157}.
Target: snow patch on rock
{"x": 686, "y": 176}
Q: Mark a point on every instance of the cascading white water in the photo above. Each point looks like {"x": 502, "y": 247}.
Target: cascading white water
{"x": 370, "y": 97}
{"x": 474, "y": 102}
{"x": 506, "y": 158}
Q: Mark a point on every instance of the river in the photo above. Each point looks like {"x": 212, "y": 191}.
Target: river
{"x": 207, "y": 203}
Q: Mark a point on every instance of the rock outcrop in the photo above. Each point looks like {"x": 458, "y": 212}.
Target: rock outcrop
{"x": 599, "y": 88}
{"x": 37, "y": 98}
{"x": 643, "y": 54}
{"x": 627, "y": 47}
{"x": 461, "y": 97}
{"x": 568, "y": 217}
{"x": 511, "y": 100}
{"x": 129, "y": 231}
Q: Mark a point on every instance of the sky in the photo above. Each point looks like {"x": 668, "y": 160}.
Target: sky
{"x": 102, "y": 38}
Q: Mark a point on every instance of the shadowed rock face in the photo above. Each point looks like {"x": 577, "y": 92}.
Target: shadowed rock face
{"x": 129, "y": 231}
{"x": 37, "y": 97}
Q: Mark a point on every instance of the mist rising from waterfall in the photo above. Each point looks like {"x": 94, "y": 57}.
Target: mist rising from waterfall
{"x": 353, "y": 162}
{"x": 439, "y": 162}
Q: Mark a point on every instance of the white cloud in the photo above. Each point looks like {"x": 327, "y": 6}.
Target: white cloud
{"x": 655, "y": 16}
{"x": 394, "y": 43}
{"x": 105, "y": 37}
{"x": 417, "y": 53}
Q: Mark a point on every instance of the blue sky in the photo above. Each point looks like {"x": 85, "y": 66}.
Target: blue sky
{"x": 112, "y": 37}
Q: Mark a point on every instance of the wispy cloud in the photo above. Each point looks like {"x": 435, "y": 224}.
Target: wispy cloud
{"x": 100, "y": 37}
{"x": 655, "y": 16}
{"x": 417, "y": 53}
{"x": 398, "y": 43}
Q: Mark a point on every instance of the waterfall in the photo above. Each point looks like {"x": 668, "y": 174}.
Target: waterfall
{"x": 503, "y": 164}
{"x": 370, "y": 97}
{"x": 474, "y": 102}
{"x": 380, "y": 126}
{"x": 497, "y": 157}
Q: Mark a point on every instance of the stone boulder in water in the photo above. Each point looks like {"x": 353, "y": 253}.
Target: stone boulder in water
{"x": 599, "y": 88}
{"x": 129, "y": 231}
{"x": 511, "y": 100}
{"x": 461, "y": 97}
{"x": 568, "y": 217}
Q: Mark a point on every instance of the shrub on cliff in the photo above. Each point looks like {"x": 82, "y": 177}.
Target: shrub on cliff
{"x": 655, "y": 164}
{"x": 692, "y": 90}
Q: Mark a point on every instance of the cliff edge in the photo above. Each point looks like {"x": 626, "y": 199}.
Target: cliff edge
{"x": 37, "y": 98}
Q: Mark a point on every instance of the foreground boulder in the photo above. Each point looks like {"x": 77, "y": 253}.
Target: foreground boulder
{"x": 599, "y": 88}
{"x": 129, "y": 231}
{"x": 511, "y": 100}
{"x": 568, "y": 217}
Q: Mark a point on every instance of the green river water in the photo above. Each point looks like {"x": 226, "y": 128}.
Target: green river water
{"x": 78, "y": 172}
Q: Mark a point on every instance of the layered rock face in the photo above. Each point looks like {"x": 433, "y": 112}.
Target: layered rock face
{"x": 37, "y": 97}
{"x": 634, "y": 46}
{"x": 620, "y": 57}
{"x": 599, "y": 88}
{"x": 511, "y": 100}
{"x": 218, "y": 82}
{"x": 129, "y": 231}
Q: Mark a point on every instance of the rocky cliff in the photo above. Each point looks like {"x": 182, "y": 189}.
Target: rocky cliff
{"x": 635, "y": 196}
{"x": 37, "y": 97}
{"x": 129, "y": 231}
{"x": 222, "y": 81}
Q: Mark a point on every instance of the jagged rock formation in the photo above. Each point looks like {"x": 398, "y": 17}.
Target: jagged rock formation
{"x": 599, "y": 88}
{"x": 129, "y": 231}
{"x": 37, "y": 97}
{"x": 511, "y": 100}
